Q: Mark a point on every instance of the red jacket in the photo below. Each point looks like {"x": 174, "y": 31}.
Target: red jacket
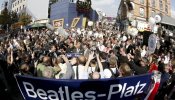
{"x": 153, "y": 67}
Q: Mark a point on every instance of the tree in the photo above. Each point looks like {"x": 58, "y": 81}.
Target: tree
{"x": 8, "y": 18}
{"x": 5, "y": 18}
{"x": 14, "y": 17}
{"x": 25, "y": 19}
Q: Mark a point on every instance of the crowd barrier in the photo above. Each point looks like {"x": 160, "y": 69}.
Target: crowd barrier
{"x": 129, "y": 88}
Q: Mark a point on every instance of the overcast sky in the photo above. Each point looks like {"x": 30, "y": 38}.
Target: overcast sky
{"x": 110, "y": 7}
{"x": 1, "y": 3}
{"x": 173, "y": 8}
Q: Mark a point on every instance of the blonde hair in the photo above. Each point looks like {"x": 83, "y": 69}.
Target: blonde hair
{"x": 112, "y": 62}
{"x": 125, "y": 70}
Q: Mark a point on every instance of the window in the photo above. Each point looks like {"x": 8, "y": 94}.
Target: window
{"x": 142, "y": 1}
{"x": 18, "y": 2}
{"x": 153, "y": 3}
{"x": 17, "y": 10}
{"x": 166, "y": 8}
{"x": 142, "y": 12}
{"x": 23, "y": 6}
{"x": 161, "y": 4}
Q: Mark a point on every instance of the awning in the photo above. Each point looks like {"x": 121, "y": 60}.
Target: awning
{"x": 168, "y": 20}
{"x": 36, "y": 25}
{"x": 28, "y": 27}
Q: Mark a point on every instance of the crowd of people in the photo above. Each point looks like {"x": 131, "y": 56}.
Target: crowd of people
{"x": 97, "y": 53}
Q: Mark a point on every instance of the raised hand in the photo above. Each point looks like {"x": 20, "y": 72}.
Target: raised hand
{"x": 91, "y": 56}
{"x": 97, "y": 55}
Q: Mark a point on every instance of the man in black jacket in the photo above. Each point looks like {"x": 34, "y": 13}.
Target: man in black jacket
{"x": 139, "y": 69}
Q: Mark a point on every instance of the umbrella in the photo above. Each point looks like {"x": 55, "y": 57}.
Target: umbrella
{"x": 35, "y": 25}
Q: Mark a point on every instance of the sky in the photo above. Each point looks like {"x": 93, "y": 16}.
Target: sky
{"x": 1, "y": 3}
{"x": 110, "y": 7}
{"x": 173, "y": 8}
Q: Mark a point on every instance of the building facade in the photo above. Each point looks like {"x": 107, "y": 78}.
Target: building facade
{"x": 65, "y": 13}
{"x": 38, "y": 9}
{"x": 144, "y": 9}
{"x": 19, "y": 5}
{"x": 149, "y": 8}
{"x": 9, "y": 6}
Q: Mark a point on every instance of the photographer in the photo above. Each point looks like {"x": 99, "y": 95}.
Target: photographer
{"x": 142, "y": 68}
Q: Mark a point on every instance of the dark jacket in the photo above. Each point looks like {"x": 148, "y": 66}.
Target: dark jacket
{"x": 138, "y": 70}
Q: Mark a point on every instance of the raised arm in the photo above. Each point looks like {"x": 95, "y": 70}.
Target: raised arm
{"x": 99, "y": 63}
{"x": 69, "y": 72}
{"x": 65, "y": 59}
{"x": 91, "y": 56}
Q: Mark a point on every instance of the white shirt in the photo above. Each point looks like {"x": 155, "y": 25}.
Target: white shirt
{"x": 107, "y": 72}
{"x": 91, "y": 70}
{"x": 63, "y": 70}
{"x": 143, "y": 53}
{"x": 81, "y": 72}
